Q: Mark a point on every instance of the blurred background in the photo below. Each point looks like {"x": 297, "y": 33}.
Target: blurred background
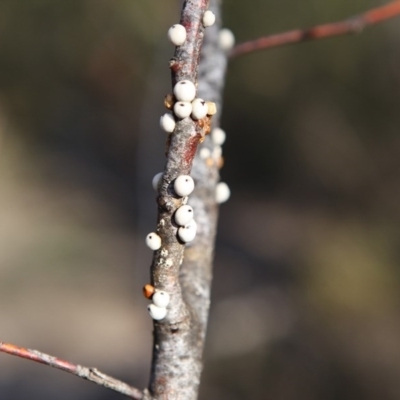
{"x": 306, "y": 286}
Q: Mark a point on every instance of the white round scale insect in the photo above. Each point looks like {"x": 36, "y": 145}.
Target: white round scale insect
{"x": 183, "y": 215}
{"x": 153, "y": 241}
{"x": 157, "y": 180}
{"x": 167, "y": 122}
{"x": 183, "y": 185}
{"x": 199, "y": 109}
{"x": 188, "y": 232}
{"x": 177, "y": 34}
{"x": 204, "y": 153}
{"x": 182, "y": 109}
{"x": 222, "y": 192}
{"x": 185, "y": 91}
{"x": 218, "y": 136}
{"x": 208, "y": 18}
{"x": 160, "y": 298}
{"x": 156, "y": 313}
{"x": 226, "y": 39}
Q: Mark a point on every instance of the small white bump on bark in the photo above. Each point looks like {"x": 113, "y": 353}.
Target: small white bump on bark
{"x": 157, "y": 313}
{"x": 205, "y": 153}
{"x": 188, "y": 232}
{"x": 153, "y": 241}
{"x": 182, "y": 109}
{"x": 183, "y": 215}
{"x": 226, "y": 39}
{"x": 167, "y": 122}
{"x": 222, "y": 192}
{"x": 157, "y": 180}
{"x": 183, "y": 185}
{"x": 160, "y": 298}
{"x": 218, "y": 136}
{"x": 177, "y": 34}
{"x": 185, "y": 91}
{"x": 199, "y": 109}
{"x": 208, "y": 18}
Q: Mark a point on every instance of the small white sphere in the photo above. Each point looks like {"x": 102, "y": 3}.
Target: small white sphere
{"x": 208, "y": 18}
{"x": 156, "y": 313}
{"x": 226, "y": 39}
{"x": 177, "y": 34}
{"x": 182, "y": 109}
{"x": 167, "y": 122}
{"x": 157, "y": 180}
{"x": 218, "y": 136}
{"x": 153, "y": 241}
{"x": 205, "y": 153}
{"x": 199, "y": 109}
{"x": 222, "y": 192}
{"x": 185, "y": 91}
{"x": 184, "y": 215}
{"x": 188, "y": 232}
{"x": 160, "y": 298}
{"x": 183, "y": 185}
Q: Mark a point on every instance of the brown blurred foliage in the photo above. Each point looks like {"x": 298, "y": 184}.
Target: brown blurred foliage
{"x": 306, "y": 291}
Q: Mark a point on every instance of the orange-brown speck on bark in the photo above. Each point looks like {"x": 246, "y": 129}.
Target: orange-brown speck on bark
{"x": 169, "y": 101}
{"x": 210, "y": 162}
{"x": 175, "y": 66}
{"x": 148, "y": 291}
{"x": 205, "y": 126}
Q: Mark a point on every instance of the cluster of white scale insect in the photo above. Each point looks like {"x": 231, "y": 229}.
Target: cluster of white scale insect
{"x": 187, "y": 105}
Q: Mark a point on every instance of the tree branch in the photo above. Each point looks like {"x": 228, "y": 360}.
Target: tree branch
{"x": 176, "y": 366}
{"x": 352, "y": 25}
{"x": 196, "y": 271}
{"x": 90, "y": 374}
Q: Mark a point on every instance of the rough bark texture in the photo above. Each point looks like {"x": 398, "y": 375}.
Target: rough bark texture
{"x": 176, "y": 364}
{"x": 196, "y": 271}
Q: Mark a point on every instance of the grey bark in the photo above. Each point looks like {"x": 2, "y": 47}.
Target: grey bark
{"x": 179, "y": 338}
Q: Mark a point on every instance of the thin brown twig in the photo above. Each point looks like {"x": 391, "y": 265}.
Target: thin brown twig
{"x": 90, "y": 374}
{"x": 351, "y": 25}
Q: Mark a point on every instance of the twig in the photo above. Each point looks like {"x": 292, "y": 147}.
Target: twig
{"x": 90, "y": 374}
{"x": 352, "y": 25}
{"x": 175, "y": 366}
{"x": 196, "y": 270}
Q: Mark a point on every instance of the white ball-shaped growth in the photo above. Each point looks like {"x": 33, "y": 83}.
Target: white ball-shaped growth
{"x": 218, "y": 136}
{"x": 156, "y": 313}
{"x": 157, "y": 180}
{"x": 167, "y": 122}
{"x": 208, "y": 18}
{"x": 188, "y": 232}
{"x": 184, "y": 215}
{"x": 226, "y": 39}
{"x": 199, "y": 109}
{"x": 153, "y": 241}
{"x": 182, "y": 109}
{"x": 177, "y": 34}
{"x": 222, "y": 192}
{"x": 183, "y": 185}
{"x": 185, "y": 91}
{"x": 160, "y": 298}
{"x": 204, "y": 153}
